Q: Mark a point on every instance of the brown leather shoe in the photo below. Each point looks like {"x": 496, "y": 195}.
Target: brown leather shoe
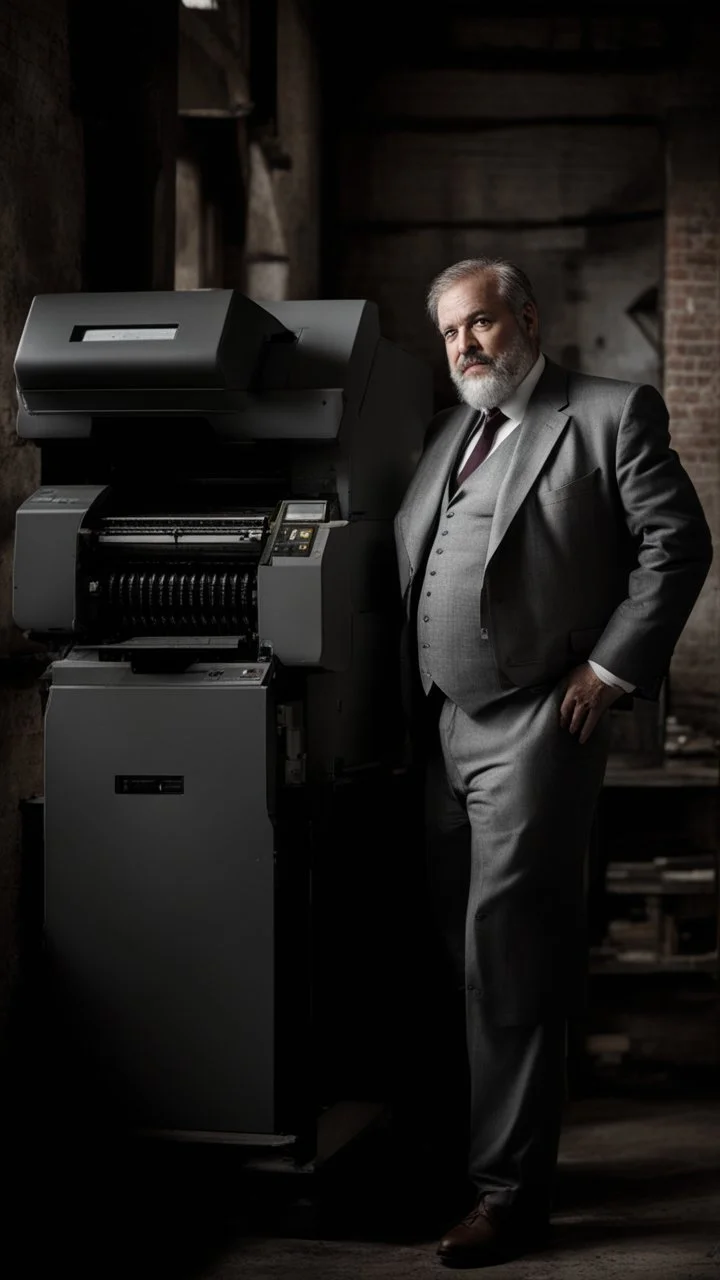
{"x": 483, "y": 1238}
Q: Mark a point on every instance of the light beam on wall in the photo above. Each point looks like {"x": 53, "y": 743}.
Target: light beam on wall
{"x": 645, "y": 313}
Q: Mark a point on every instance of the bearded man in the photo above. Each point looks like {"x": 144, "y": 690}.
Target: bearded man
{"x": 550, "y": 547}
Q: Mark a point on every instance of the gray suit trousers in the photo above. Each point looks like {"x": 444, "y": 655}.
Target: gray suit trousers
{"x": 510, "y": 798}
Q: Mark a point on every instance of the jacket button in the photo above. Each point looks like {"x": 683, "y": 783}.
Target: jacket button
{"x": 439, "y": 551}
{"x": 426, "y": 617}
{"x": 483, "y": 633}
{"x": 444, "y": 533}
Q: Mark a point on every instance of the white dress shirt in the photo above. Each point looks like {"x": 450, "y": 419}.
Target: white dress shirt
{"x": 514, "y": 409}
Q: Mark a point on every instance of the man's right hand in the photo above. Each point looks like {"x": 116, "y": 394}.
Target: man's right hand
{"x": 586, "y": 700}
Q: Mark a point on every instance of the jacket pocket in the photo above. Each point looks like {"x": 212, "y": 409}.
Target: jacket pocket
{"x": 567, "y": 492}
{"x": 582, "y": 642}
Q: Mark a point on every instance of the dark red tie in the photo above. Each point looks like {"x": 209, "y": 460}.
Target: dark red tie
{"x": 483, "y": 444}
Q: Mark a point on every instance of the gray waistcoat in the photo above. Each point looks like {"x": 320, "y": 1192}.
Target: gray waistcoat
{"x": 454, "y": 650}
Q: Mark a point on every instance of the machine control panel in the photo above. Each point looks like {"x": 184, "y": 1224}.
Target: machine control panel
{"x": 236, "y": 674}
{"x": 294, "y": 539}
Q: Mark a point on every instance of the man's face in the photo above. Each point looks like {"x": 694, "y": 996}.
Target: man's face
{"x": 489, "y": 349}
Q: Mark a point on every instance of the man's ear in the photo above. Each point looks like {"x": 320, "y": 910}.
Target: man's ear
{"x": 530, "y": 317}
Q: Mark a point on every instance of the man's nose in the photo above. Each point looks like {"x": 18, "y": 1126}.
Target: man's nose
{"x": 467, "y": 342}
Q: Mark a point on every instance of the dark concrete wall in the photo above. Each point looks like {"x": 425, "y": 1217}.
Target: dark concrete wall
{"x": 585, "y": 149}
{"x": 442, "y": 165}
{"x": 283, "y": 231}
{"x": 298, "y": 188}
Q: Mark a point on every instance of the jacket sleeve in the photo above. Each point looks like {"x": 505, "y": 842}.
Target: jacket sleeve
{"x": 673, "y": 545}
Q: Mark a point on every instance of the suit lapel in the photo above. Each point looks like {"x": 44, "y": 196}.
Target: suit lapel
{"x": 539, "y": 433}
{"x": 423, "y": 499}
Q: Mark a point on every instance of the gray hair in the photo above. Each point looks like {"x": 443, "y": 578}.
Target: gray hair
{"x": 513, "y": 284}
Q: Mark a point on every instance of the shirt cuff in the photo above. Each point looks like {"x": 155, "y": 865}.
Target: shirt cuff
{"x": 607, "y": 677}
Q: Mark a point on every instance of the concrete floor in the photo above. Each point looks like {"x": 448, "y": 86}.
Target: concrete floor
{"x": 638, "y": 1195}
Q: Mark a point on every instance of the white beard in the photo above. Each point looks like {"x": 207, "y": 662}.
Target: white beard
{"x": 504, "y": 374}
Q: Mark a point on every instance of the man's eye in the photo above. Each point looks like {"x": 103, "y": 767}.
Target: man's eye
{"x": 479, "y": 321}
{"x": 448, "y": 334}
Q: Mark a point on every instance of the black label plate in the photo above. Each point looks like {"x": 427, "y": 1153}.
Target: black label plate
{"x": 149, "y": 784}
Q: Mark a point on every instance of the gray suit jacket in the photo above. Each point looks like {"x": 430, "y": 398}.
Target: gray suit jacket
{"x": 598, "y": 547}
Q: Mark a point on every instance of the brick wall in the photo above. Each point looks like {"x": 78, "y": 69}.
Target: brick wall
{"x": 41, "y": 199}
{"x": 692, "y": 377}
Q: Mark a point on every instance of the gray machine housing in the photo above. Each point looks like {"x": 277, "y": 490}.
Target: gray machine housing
{"x": 188, "y": 745}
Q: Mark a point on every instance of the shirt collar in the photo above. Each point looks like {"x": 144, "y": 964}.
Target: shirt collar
{"x": 516, "y": 404}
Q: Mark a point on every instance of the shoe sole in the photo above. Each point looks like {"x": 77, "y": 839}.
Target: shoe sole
{"x": 492, "y": 1255}
{"x": 477, "y": 1258}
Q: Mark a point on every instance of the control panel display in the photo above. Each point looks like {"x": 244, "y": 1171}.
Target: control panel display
{"x": 305, "y": 509}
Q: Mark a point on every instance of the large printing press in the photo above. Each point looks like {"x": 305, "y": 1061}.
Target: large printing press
{"x": 209, "y": 561}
